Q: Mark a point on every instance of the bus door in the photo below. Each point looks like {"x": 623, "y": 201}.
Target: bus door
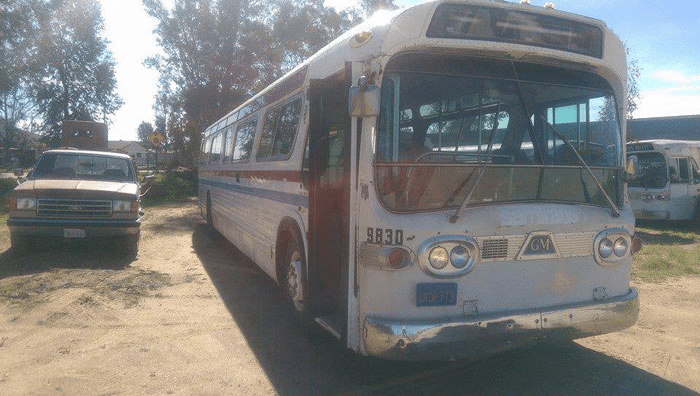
{"x": 329, "y": 159}
{"x": 683, "y": 192}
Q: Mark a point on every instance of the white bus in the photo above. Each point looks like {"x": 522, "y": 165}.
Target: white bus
{"x": 666, "y": 185}
{"x": 441, "y": 181}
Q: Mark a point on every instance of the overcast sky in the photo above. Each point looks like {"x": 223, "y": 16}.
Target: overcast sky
{"x": 662, "y": 36}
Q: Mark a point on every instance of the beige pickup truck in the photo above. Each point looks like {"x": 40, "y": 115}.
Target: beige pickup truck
{"x": 77, "y": 194}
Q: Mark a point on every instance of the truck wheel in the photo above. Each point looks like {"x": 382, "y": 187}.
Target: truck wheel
{"x": 19, "y": 243}
{"x": 132, "y": 246}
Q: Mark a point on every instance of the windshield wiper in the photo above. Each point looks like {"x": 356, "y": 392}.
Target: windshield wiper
{"x": 482, "y": 170}
{"x": 571, "y": 147}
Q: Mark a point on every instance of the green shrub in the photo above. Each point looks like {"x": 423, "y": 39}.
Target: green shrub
{"x": 172, "y": 186}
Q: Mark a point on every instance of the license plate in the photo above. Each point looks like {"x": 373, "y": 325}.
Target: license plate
{"x": 436, "y": 294}
{"x": 73, "y": 233}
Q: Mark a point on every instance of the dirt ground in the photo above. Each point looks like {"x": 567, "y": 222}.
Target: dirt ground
{"x": 192, "y": 315}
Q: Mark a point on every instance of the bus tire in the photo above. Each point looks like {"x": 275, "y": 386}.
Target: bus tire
{"x": 210, "y": 219}
{"x": 294, "y": 278}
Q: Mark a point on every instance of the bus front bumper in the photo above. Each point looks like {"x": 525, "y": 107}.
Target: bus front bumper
{"x": 652, "y": 214}
{"x": 483, "y": 335}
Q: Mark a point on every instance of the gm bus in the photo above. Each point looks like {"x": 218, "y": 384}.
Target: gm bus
{"x": 667, "y": 184}
{"x": 442, "y": 181}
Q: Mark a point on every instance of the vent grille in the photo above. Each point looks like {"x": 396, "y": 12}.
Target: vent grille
{"x": 494, "y": 248}
{"x": 74, "y": 208}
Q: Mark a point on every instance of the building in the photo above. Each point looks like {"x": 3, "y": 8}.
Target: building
{"x": 134, "y": 148}
{"x": 675, "y": 128}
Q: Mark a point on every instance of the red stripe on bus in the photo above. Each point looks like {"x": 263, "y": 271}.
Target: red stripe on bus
{"x": 290, "y": 176}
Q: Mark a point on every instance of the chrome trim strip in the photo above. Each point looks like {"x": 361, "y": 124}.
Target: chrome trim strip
{"x": 485, "y": 335}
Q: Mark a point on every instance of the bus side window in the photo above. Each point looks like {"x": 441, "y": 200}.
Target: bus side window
{"x": 683, "y": 170}
{"x": 673, "y": 171}
{"x": 694, "y": 172}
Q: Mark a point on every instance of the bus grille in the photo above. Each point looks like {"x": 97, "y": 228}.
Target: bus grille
{"x": 74, "y": 208}
{"x": 507, "y": 247}
{"x": 494, "y": 248}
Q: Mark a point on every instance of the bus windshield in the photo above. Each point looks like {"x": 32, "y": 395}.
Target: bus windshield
{"x": 651, "y": 171}
{"x": 439, "y": 129}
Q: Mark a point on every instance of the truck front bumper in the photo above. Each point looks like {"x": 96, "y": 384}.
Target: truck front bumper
{"x": 56, "y": 227}
{"x": 483, "y": 335}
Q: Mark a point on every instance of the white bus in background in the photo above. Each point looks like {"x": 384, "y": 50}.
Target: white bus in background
{"x": 442, "y": 181}
{"x": 666, "y": 185}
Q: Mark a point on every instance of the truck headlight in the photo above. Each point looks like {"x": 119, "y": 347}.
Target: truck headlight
{"x": 122, "y": 206}
{"x": 23, "y": 203}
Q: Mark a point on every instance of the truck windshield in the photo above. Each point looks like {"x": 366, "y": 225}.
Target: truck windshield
{"x": 652, "y": 171}
{"x": 83, "y": 166}
{"x": 438, "y": 115}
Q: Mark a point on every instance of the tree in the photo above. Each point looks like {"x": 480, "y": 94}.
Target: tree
{"x": 18, "y": 32}
{"x": 77, "y": 79}
{"x": 217, "y": 53}
{"x": 372, "y": 6}
{"x": 633, "y": 74}
{"x": 54, "y": 65}
{"x": 145, "y": 129}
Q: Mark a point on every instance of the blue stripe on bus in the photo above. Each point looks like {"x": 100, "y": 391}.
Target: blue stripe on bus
{"x": 278, "y": 196}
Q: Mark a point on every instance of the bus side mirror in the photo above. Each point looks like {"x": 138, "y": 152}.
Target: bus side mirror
{"x": 631, "y": 166}
{"x": 364, "y": 100}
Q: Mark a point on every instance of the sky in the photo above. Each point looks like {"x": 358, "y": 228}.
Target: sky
{"x": 662, "y": 37}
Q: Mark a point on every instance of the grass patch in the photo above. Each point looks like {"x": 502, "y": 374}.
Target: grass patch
{"x": 669, "y": 251}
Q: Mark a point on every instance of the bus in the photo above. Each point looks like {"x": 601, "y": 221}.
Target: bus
{"x": 666, "y": 185}
{"x": 442, "y": 181}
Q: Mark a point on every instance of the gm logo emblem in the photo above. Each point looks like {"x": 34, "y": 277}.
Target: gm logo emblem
{"x": 539, "y": 245}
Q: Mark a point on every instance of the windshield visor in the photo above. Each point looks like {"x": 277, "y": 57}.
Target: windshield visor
{"x": 438, "y": 132}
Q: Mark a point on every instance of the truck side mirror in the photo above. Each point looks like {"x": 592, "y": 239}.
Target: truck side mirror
{"x": 18, "y": 172}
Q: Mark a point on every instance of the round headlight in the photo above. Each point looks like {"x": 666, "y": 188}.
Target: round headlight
{"x": 605, "y": 248}
{"x": 620, "y": 247}
{"x": 438, "y": 257}
{"x": 459, "y": 256}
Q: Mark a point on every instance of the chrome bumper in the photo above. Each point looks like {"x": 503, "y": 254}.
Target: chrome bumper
{"x": 652, "y": 214}
{"x": 483, "y": 335}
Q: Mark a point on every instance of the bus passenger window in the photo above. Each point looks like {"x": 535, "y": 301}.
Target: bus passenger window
{"x": 244, "y": 140}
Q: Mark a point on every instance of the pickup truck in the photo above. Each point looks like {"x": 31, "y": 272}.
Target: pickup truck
{"x": 77, "y": 194}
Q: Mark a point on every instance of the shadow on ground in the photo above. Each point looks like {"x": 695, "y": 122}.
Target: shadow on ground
{"x": 44, "y": 255}
{"x": 298, "y": 363}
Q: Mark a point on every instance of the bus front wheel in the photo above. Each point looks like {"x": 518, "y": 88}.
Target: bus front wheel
{"x": 295, "y": 278}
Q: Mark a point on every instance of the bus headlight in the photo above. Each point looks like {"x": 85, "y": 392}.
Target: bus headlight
{"x": 605, "y": 248}
{"x": 612, "y": 246}
{"x": 620, "y": 247}
{"x": 459, "y": 256}
{"x": 448, "y": 255}
{"x": 438, "y": 257}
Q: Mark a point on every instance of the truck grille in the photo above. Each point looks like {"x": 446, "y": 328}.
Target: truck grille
{"x": 74, "y": 208}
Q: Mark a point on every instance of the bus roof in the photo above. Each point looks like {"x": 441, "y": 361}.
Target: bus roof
{"x": 390, "y": 32}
